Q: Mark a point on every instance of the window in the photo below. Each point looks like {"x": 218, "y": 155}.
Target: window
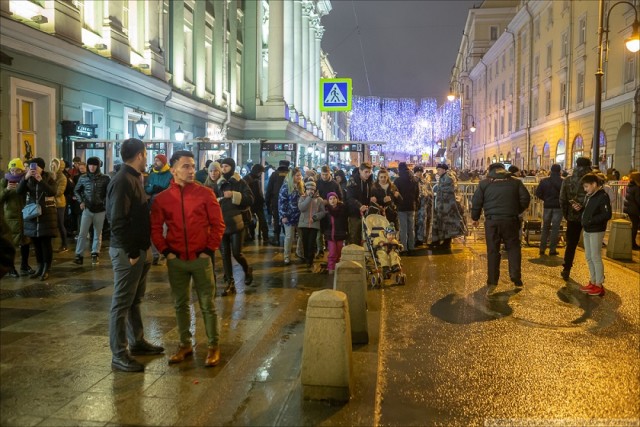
{"x": 504, "y": 62}
{"x": 497, "y": 68}
{"x": 511, "y": 55}
{"x": 563, "y": 95}
{"x": 503, "y": 86}
{"x": 495, "y": 127}
{"x": 208, "y": 47}
{"x": 564, "y": 47}
{"x": 534, "y": 106}
{"x": 510, "y": 85}
{"x": 536, "y": 28}
{"x": 136, "y": 25}
{"x": 629, "y": 66}
{"x": 523, "y": 73}
{"x": 509, "y": 121}
{"x": 580, "y": 88}
{"x": 523, "y": 40}
{"x": 536, "y": 66}
{"x": 522, "y": 124}
{"x": 582, "y": 31}
{"x": 549, "y": 55}
{"x": 494, "y": 32}
{"x": 550, "y": 16}
{"x": 496, "y": 96}
{"x": 501, "y": 124}
{"x": 547, "y": 103}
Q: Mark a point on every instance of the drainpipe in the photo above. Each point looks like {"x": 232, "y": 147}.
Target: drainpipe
{"x": 568, "y": 85}
{"x": 513, "y": 88}
{"x": 528, "y": 133}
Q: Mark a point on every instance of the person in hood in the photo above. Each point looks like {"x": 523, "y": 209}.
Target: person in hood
{"x": 334, "y": 226}
{"x": 311, "y": 207}
{"x": 341, "y": 179}
{"x": 234, "y": 196}
{"x": 632, "y": 206}
{"x": 271, "y": 197}
{"x": 448, "y": 222}
{"x": 40, "y": 187}
{"x": 157, "y": 181}
{"x": 201, "y": 175}
{"x": 596, "y": 213}
{"x": 57, "y": 169}
{"x": 12, "y": 204}
{"x": 194, "y": 229}
{"x": 549, "y": 192}
{"x": 503, "y": 198}
{"x": 359, "y": 196}
{"x": 572, "y": 198}
{"x": 253, "y": 180}
{"x": 91, "y": 193}
{"x": 409, "y": 189}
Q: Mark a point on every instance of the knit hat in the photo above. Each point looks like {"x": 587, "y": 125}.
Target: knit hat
{"x": 94, "y": 161}
{"x": 402, "y": 166}
{"x": 214, "y": 166}
{"x": 310, "y": 185}
{"x": 257, "y": 169}
{"x": 16, "y": 163}
{"x": 55, "y": 165}
{"x": 556, "y": 168}
{"x": 39, "y": 161}
{"x": 584, "y": 162}
{"x": 331, "y": 193}
{"x": 162, "y": 158}
{"x": 228, "y": 161}
{"x": 442, "y": 166}
{"x": 493, "y": 166}
{"x": 284, "y": 164}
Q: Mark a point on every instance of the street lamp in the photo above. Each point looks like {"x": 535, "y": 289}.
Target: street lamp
{"x": 452, "y": 94}
{"x": 179, "y": 134}
{"x": 632, "y": 44}
{"x": 141, "y": 127}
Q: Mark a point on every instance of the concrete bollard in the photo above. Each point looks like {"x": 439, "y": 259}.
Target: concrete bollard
{"x": 327, "y": 360}
{"x": 353, "y": 253}
{"x": 619, "y": 244}
{"x": 351, "y": 279}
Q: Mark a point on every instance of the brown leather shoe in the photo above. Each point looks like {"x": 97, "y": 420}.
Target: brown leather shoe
{"x": 180, "y": 355}
{"x": 213, "y": 356}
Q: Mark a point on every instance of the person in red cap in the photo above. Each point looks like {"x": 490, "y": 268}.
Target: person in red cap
{"x": 158, "y": 181}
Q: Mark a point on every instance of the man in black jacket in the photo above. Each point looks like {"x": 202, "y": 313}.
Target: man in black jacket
{"x": 503, "y": 199}
{"x": 549, "y": 191}
{"x": 271, "y": 198}
{"x": 408, "y": 187}
{"x": 359, "y": 195}
{"x": 128, "y": 214}
{"x": 257, "y": 208}
{"x": 91, "y": 192}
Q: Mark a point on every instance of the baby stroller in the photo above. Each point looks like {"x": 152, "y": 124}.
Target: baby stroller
{"x": 374, "y": 228}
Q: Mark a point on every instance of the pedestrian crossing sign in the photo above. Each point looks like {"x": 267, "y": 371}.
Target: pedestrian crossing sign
{"x": 335, "y": 94}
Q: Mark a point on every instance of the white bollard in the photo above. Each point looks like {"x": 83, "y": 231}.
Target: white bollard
{"x": 351, "y": 279}
{"x": 327, "y": 361}
{"x": 619, "y": 243}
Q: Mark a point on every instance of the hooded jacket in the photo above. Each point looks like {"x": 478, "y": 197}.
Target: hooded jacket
{"x": 632, "y": 198}
{"x": 195, "y": 224}
{"x": 572, "y": 190}
{"x": 12, "y": 204}
{"x": 335, "y": 225}
{"x": 409, "y": 189}
{"x": 272, "y": 194}
{"x": 158, "y": 181}
{"x": 326, "y": 187}
{"x": 91, "y": 190}
{"x": 311, "y": 211}
{"x": 501, "y": 196}
{"x": 232, "y": 208}
{"x": 359, "y": 193}
{"x": 253, "y": 181}
{"x": 57, "y": 167}
{"x": 43, "y": 193}
{"x": 549, "y": 190}
{"x": 596, "y": 212}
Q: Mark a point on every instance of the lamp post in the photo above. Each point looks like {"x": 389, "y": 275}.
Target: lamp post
{"x": 141, "y": 128}
{"x": 632, "y": 44}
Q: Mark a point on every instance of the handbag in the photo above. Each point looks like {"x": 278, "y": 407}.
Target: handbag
{"x": 32, "y": 210}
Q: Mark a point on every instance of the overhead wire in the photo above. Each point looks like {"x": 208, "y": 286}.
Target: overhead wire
{"x": 364, "y": 63}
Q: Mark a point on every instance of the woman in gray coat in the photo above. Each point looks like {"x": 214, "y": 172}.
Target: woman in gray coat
{"x": 447, "y": 218}
{"x": 40, "y": 187}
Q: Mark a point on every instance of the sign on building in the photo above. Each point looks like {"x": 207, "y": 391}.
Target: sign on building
{"x": 335, "y": 94}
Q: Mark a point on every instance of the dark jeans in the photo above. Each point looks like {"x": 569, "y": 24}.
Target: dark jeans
{"x": 44, "y": 249}
{"x": 232, "y": 245}
{"x": 574, "y": 228}
{"x": 308, "y": 243}
{"x": 277, "y": 225}
{"x": 263, "y": 228}
{"x": 551, "y": 219}
{"x": 61, "y": 229}
{"x": 129, "y": 285}
{"x": 507, "y": 231}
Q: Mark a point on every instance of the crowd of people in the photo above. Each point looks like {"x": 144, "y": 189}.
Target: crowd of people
{"x": 183, "y": 216}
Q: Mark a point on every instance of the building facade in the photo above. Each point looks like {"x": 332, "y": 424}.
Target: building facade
{"x": 208, "y": 69}
{"x": 526, "y": 70}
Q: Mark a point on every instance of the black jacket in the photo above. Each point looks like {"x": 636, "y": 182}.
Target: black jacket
{"x": 596, "y": 212}
{"x": 253, "y": 181}
{"x": 632, "y": 200}
{"x": 334, "y": 225}
{"x": 572, "y": 190}
{"x": 549, "y": 191}
{"x": 43, "y": 192}
{"x": 359, "y": 193}
{"x": 390, "y": 207}
{"x": 326, "y": 187}
{"x": 91, "y": 190}
{"x": 501, "y": 196}
{"x": 273, "y": 188}
{"x": 408, "y": 187}
{"x": 128, "y": 212}
{"x": 232, "y": 208}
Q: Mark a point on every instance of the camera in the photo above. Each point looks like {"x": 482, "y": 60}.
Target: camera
{"x": 33, "y": 166}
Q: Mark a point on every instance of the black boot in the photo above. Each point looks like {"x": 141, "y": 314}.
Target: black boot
{"x": 230, "y": 289}
{"x": 45, "y": 272}
{"x": 38, "y": 272}
{"x": 446, "y": 244}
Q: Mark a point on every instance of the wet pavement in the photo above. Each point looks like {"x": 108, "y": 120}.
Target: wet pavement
{"x": 443, "y": 350}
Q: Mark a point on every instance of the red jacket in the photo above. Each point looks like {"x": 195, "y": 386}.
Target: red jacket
{"x": 193, "y": 217}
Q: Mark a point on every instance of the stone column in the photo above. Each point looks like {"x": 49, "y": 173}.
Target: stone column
{"x": 276, "y": 47}
{"x": 297, "y": 55}
{"x": 307, "y": 8}
{"x": 218, "y": 51}
{"x": 199, "y": 54}
{"x": 314, "y": 21}
{"x": 317, "y": 70}
{"x": 233, "y": 52}
{"x": 288, "y": 52}
{"x": 152, "y": 45}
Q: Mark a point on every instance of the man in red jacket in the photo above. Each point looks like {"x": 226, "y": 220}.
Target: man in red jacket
{"x": 194, "y": 231}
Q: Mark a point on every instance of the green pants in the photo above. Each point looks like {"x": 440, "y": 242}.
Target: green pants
{"x": 180, "y": 275}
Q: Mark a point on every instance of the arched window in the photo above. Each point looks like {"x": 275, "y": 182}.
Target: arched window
{"x": 603, "y": 152}
{"x": 560, "y": 153}
{"x": 535, "y": 159}
{"x": 519, "y": 160}
{"x": 577, "y": 149}
{"x": 546, "y": 156}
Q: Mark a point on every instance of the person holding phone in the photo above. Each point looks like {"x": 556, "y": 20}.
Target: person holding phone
{"x": 40, "y": 187}
{"x": 128, "y": 214}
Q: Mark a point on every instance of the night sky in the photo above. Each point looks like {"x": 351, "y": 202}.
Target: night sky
{"x": 409, "y": 46}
